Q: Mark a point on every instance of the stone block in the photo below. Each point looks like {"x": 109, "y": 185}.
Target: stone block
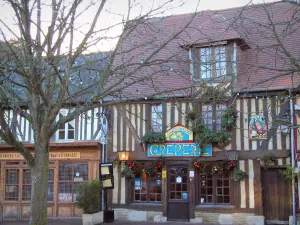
{"x": 255, "y": 220}
{"x": 134, "y": 215}
{"x": 196, "y": 220}
{"x": 163, "y": 219}
{"x": 225, "y": 219}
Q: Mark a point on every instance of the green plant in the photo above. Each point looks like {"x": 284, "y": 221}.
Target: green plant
{"x": 88, "y": 196}
{"x": 290, "y": 173}
{"x": 154, "y": 137}
{"x": 229, "y": 118}
{"x": 238, "y": 175}
{"x": 221, "y": 137}
{"x": 268, "y": 158}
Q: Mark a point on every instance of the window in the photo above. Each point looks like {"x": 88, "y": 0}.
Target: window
{"x": 66, "y": 131}
{"x": 12, "y": 184}
{"x": 156, "y": 118}
{"x": 26, "y": 186}
{"x": 178, "y": 187}
{"x": 71, "y": 174}
{"x": 212, "y": 62}
{"x": 147, "y": 189}
{"x": 214, "y": 189}
{"x": 212, "y": 116}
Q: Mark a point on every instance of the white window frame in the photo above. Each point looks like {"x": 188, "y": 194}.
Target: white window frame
{"x": 65, "y": 112}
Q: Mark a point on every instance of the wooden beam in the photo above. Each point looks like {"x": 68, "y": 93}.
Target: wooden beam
{"x": 122, "y": 113}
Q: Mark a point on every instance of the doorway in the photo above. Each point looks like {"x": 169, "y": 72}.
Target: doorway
{"x": 178, "y": 193}
{"x": 277, "y": 197}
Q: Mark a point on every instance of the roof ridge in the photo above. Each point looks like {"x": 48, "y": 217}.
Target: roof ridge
{"x": 220, "y": 10}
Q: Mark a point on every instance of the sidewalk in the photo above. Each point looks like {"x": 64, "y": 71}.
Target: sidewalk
{"x": 77, "y": 222}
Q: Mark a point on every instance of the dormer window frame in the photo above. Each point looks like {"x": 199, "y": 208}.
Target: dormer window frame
{"x": 217, "y": 56}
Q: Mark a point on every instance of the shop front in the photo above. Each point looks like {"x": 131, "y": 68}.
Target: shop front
{"x": 70, "y": 164}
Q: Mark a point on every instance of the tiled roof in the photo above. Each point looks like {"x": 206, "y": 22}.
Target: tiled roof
{"x": 262, "y": 65}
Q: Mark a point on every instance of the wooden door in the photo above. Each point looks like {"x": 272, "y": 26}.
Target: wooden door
{"x": 277, "y": 196}
{"x": 178, "y": 194}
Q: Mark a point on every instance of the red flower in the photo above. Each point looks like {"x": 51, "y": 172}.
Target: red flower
{"x": 159, "y": 165}
{"x": 131, "y": 165}
{"x": 231, "y": 164}
{"x": 196, "y": 164}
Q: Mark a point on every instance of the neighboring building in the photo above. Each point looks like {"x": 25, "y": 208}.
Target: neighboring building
{"x": 75, "y": 154}
{"x": 230, "y": 48}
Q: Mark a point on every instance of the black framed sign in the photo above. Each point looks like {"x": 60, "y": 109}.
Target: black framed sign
{"x": 106, "y": 175}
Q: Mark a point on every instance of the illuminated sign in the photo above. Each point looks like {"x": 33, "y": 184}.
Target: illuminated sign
{"x": 179, "y": 134}
{"x": 177, "y": 149}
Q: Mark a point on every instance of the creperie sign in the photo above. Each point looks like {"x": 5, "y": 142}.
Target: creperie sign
{"x": 52, "y": 155}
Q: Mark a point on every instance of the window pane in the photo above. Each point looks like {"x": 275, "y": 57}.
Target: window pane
{"x": 80, "y": 171}
{"x": 26, "y": 189}
{"x": 61, "y": 134}
{"x": 156, "y": 119}
{"x": 12, "y": 184}
{"x": 220, "y": 61}
{"x": 50, "y": 191}
{"x": 205, "y": 63}
{"x": 140, "y": 187}
{"x": 220, "y": 110}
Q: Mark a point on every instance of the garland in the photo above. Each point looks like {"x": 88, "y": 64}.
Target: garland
{"x": 134, "y": 167}
{"x": 213, "y": 167}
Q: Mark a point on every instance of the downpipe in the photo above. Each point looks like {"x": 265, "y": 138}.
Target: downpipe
{"x": 293, "y": 155}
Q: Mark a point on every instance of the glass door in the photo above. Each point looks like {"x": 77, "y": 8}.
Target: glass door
{"x": 178, "y": 194}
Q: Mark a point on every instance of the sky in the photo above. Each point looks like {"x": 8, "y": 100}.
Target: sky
{"x": 116, "y": 9}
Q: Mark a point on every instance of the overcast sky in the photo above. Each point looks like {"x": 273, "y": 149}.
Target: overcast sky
{"x": 116, "y": 8}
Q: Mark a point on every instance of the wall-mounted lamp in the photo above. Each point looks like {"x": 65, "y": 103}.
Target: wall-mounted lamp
{"x": 123, "y": 155}
{"x": 232, "y": 155}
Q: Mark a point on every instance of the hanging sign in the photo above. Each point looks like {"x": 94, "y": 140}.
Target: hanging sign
{"x": 164, "y": 174}
{"x": 258, "y": 129}
{"x": 179, "y": 133}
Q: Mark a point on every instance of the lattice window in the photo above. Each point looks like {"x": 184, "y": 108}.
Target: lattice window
{"x": 12, "y": 184}
{"x": 148, "y": 189}
{"x": 71, "y": 174}
{"x": 214, "y": 189}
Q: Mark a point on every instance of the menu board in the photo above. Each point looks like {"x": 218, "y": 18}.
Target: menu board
{"x": 106, "y": 175}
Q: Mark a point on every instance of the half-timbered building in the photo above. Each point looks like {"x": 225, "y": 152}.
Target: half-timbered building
{"x": 224, "y": 183}
{"x": 75, "y": 154}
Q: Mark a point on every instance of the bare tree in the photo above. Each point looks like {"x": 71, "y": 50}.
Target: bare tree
{"x": 40, "y": 73}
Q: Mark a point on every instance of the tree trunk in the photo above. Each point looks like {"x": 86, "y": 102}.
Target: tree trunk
{"x": 39, "y": 184}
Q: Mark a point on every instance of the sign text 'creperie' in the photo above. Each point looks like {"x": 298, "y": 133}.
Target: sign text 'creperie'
{"x": 52, "y": 155}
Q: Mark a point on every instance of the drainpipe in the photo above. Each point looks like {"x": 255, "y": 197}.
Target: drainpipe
{"x": 293, "y": 155}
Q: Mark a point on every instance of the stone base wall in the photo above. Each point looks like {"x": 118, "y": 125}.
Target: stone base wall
{"x": 234, "y": 218}
{"x": 135, "y": 215}
{"x": 122, "y": 214}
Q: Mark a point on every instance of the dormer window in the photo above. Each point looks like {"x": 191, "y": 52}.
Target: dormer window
{"x": 213, "y": 63}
